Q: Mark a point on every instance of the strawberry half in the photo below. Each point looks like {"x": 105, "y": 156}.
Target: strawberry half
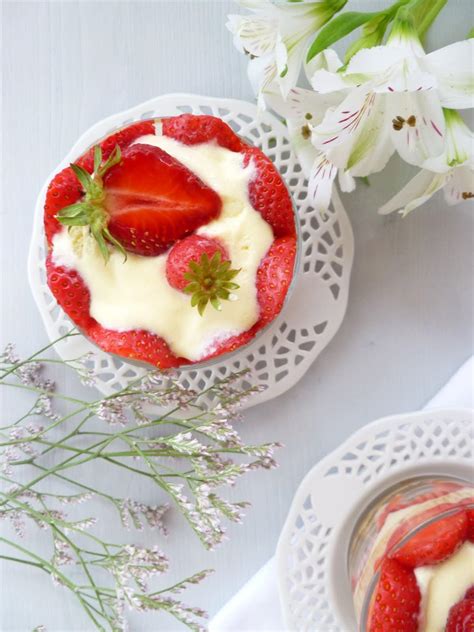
{"x": 136, "y": 344}
{"x": 274, "y": 276}
{"x": 434, "y": 543}
{"x": 65, "y": 189}
{"x": 470, "y": 527}
{"x": 141, "y": 200}
{"x": 395, "y": 604}
{"x": 269, "y": 195}
{"x": 192, "y": 129}
{"x": 461, "y": 617}
{"x": 71, "y": 293}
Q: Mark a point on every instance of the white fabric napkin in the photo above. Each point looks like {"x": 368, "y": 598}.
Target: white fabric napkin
{"x": 256, "y": 607}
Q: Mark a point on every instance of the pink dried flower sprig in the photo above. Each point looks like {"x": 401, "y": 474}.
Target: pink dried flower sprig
{"x": 190, "y": 453}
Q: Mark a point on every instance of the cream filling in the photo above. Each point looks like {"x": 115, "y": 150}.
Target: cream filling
{"x": 136, "y": 294}
{"x": 442, "y": 586}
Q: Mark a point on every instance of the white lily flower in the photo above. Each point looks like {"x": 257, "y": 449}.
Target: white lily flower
{"x": 302, "y": 110}
{"x": 276, "y": 38}
{"x": 452, "y": 171}
{"x": 395, "y": 102}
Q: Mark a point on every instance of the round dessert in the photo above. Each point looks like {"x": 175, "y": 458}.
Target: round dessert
{"x": 411, "y": 559}
{"x": 170, "y": 242}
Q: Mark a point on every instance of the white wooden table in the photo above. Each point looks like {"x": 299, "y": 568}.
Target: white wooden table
{"x": 409, "y": 323}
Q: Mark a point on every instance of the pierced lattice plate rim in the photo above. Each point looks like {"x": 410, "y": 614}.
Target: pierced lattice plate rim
{"x": 281, "y": 355}
{"x": 314, "y": 587}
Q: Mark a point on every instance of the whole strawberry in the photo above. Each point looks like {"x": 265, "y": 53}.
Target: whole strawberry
{"x": 200, "y": 266}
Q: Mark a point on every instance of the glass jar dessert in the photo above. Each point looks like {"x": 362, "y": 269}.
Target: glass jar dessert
{"x": 411, "y": 558}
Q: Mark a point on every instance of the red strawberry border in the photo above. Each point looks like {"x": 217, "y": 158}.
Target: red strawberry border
{"x": 267, "y": 193}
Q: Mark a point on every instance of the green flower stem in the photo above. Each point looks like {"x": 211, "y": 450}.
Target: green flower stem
{"x": 424, "y": 13}
{"x": 16, "y": 366}
{"x": 78, "y": 553}
{"x": 51, "y": 570}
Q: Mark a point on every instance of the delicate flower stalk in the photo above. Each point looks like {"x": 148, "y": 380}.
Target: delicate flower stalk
{"x": 189, "y": 458}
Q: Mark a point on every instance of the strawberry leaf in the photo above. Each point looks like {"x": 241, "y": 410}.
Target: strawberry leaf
{"x": 90, "y": 211}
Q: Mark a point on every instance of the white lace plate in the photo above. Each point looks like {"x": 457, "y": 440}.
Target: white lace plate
{"x": 281, "y": 354}
{"x": 312, "y": 551}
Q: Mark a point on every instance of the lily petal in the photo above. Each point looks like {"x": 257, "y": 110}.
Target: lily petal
{"x": 371, "y": 62}
{"x": 320, "y": 183}
{"x": 302, "y": 110}
{"x": 356, "y": 134}
{"x": 326, "y": 60}
{"x": 346, "y": 181}
{"x": 418, "y": 190}
{"x": 460, "y": 186}
{"x": 421, "y": 132}
{"x": 254, "y": 35}
{"x": 453, "y": 66}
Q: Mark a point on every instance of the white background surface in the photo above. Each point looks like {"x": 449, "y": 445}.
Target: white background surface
{"x": 409, "y": 323}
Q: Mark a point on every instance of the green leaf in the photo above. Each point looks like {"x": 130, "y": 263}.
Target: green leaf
{"x": 470, "y": 35}
{"x": 216, "y": 304}
{"x": 232, "y": 273}
{"x": 99, "y": 237}
{"x": 114, "y": 158}
{"x": 223, "y": 293}
{"x": 192, "y": 287}
{"x": 202, "y": 305}
{"x": 97, "y": 158}
{"x": 73, "y": 210}
{"x": 82, "y": 175}
{"x": 110, "y": 238}
{"x": 336, "y": 29}
{"x": 215, "y": 261}
{"x": 231, "y": 286}
{"x": 74, "y": 221}
{"x": 195, "y": 299}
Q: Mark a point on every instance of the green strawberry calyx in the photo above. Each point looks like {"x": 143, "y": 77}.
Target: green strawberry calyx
{"x": 90, "y": 210}
{"x": 210, "y": 281}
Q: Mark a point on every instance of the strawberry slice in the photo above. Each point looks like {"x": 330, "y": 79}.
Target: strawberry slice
{"x": 470, "y": 527}
{"x": 461, "y": 617}
{"x": 269, "y": 195}
{"x": 469, "y": 593}
{"x": 434, "y": 543}
{"x": 153, "y": 200}
{"x": 192, "y": 129}
{"x": 71, "y": 293}
{"x": 136, "y": 344}
{"x": 274, "y": 276}
{"x": 65, "y": 189}
{"x": 395, "y": 605}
